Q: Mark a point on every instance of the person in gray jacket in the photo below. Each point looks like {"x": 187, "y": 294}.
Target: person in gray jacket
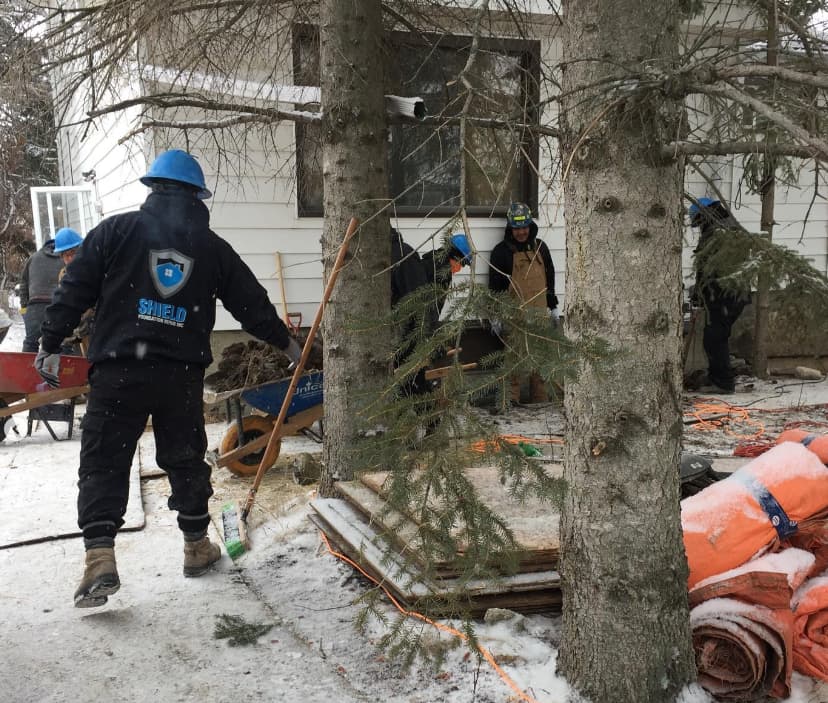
{"x": 38, "y": 282}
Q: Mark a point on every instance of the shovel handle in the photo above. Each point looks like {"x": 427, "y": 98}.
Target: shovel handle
{"x": 300, "y": 367}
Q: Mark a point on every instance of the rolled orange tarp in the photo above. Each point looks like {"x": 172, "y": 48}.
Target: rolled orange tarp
{"x": 752, "y": 511}
{"x": 818, "y": 444}
{"x": 810, "y": 643}
{"x": 743, "y": 651}
{"x": 813, "y": 537}
{"x": 770, "y": 580}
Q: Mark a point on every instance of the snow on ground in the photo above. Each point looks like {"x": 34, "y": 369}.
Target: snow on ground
{"x": 155, "y": 640}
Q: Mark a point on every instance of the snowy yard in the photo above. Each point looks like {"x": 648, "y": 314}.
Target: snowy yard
{"x": 154, "y": 640}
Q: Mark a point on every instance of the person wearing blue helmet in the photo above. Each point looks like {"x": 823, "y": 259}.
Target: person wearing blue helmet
{"x": 441, "y": 264}
{"x": 67, "y": 240}
{"x": 67, "y": 243}
{"x": 154, "y": 277}
{"x": 722, "y": 306}
{"x": 522, "y": 265}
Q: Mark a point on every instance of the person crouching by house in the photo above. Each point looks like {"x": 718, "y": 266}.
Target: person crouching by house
{"x": 441, "y": 265}
{"x": 522, "y": 265}
{"x": 722, "y": 306}
{"x": 408, "y": 274}
{"x": 67, "y": 243}
{"x": 37, "y": 283}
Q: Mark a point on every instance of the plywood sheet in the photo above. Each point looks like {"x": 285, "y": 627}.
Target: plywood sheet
{"x": 403, "y": 532}
{"x": 534, "y": 523}
{"x": 360, "y": 542}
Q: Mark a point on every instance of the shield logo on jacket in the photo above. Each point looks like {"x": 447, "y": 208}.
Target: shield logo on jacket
{"x": 169, "y": 270}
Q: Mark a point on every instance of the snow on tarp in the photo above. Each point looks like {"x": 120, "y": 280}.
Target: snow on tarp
{"x": 810, "y": 642}
{"x": 736, "y": 519}
{"x": 769, "y": 580}
{"x": 742, "y": 650}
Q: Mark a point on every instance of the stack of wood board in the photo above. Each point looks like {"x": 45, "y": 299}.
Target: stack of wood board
{"x": 384, "y": 543}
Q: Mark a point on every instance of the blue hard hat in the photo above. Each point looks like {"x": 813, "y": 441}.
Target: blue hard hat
{"x": 177, "y": 165}
{"x": 460, "y": 242}
{"x": 519, "y": 215}
{"x": 697, "y": 207}
{"x": 66, "y": 239}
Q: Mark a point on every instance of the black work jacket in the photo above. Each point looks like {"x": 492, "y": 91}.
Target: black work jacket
{"x": 154, "y": 277}
{"x": 502, "y": 256}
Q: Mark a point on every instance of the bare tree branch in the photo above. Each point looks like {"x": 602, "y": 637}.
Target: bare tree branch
{"x": 730, "y": 92}
{"x": 787, "y": 74}
{"x": 685, "y": 148}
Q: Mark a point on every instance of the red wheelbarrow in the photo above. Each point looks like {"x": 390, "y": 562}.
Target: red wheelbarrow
{"x": 22, "y": 388}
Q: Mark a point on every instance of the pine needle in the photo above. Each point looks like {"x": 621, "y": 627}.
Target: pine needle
{"x": 237, "y": 631}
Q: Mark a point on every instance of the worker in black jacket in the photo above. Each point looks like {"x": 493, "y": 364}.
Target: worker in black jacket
{"x": 441, "y": 265}
{"x": 154, "y": 277}
{"x": 522, "y": 265}
{"x": 408, "y": 275}
{"x": 722, "y": 306}
{"x": 37, "y": 283}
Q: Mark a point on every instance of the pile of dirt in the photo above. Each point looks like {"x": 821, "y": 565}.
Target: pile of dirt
{"x": 246, "y": 364}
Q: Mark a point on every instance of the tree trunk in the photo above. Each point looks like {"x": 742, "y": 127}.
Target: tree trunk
{"x": 768, "y": 194}
{"x": 626, "y": 634}
{"x": 356, "y": 185}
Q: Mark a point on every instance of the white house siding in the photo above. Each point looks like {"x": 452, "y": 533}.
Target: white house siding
{"x": 801, "y": 220}
{"x": 790, "y": 211}
{"x": 255, "y": 208}
{"x": 83, "y": 148}
{"x": 255, "y": 202}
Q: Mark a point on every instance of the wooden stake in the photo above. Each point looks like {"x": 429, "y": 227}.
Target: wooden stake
{"x": 280, "y": 274}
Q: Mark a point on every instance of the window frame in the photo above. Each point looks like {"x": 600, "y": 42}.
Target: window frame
{"x": 529, "y": 52}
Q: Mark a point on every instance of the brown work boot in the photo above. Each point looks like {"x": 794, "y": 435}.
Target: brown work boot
{"x": 514, "y": 389}
{"x": 199, "y": 555}
{"x": 537, "y": 389}
{"x": 100, "y": 578}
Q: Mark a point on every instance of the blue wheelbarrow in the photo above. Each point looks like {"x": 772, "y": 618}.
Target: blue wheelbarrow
{"x": 242, "y": 446}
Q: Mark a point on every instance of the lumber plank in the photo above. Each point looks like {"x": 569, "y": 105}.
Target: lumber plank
{"x": 402, "y": 532}
{"x": 537, "y": 592}
{"x": 41, "y": 398}
{"x": 361, "y": 536}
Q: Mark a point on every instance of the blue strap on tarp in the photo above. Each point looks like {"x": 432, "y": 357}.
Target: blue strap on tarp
{"x": 783, "y": 525}
{"x": 805, "y": 441}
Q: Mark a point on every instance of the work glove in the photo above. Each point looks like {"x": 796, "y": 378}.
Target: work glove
{"x": 293, "y": 352}
{"x": 84, "y": 328}
{"x": 48, "y": 366}
{"x": 496, "y": 327}
{"x": 23, "y": 311}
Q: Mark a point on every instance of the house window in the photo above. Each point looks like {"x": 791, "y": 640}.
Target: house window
{"x": 424, "y": 161}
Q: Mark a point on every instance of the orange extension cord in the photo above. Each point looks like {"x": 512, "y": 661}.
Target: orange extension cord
{"x": 716, "y": 414}
{"x": 484, "y": 445}
{"x": 487, "y": 655}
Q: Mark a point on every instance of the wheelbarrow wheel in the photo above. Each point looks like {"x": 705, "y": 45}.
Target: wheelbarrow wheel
{"x": 254, "y": 426}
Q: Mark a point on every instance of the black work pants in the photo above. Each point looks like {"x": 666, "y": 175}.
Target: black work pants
{"x": 32, "y": 320}
{"x": 123, "y": 395}
{"x": 722, "y": 312}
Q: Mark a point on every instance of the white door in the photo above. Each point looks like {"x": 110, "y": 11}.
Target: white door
{"x": 62, "y": 206}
